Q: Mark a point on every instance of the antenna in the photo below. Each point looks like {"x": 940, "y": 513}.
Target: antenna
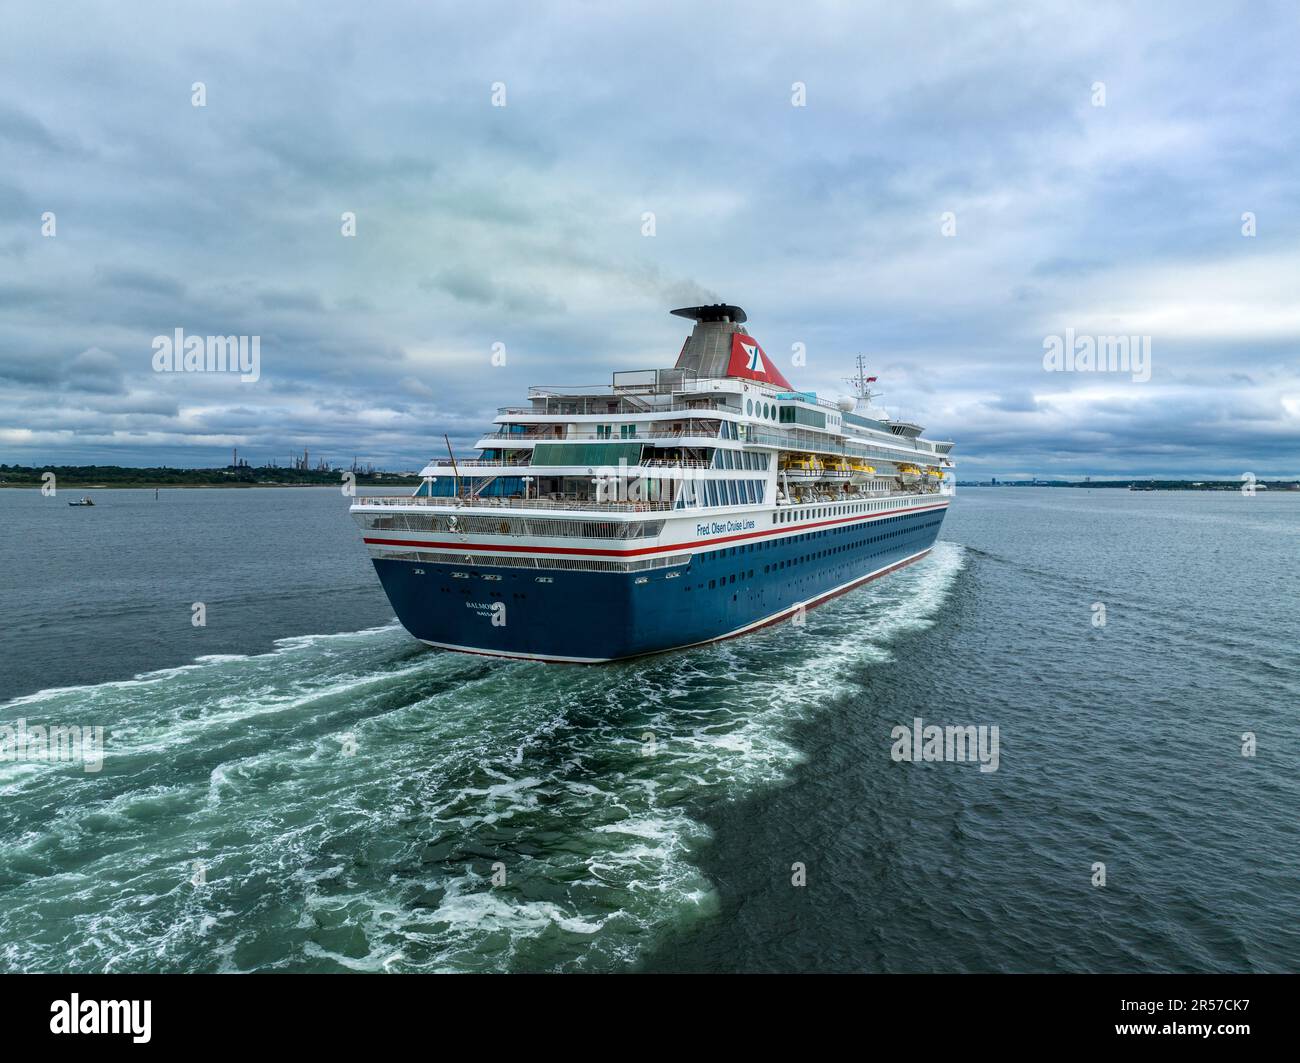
{"x": 861, "y": 383}
{"x": 455, "y": 470}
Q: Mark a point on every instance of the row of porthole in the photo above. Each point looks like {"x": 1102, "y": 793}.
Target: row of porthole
{"x": 723, "y": 581}
{"x": 719, "y": 555}
{"x": 763, "y": 410}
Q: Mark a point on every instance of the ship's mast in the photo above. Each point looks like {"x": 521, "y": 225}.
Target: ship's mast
{"x": 861, "y": 383}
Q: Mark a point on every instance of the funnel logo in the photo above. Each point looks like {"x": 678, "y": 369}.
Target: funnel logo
{"x": 749, "y": 361}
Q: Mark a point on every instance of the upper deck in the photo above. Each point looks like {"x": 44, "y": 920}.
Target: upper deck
{"x": 692, "y": 409}
{"x": 722, "y": 429}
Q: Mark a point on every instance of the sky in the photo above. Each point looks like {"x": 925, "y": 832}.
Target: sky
{"x": 938, "y": 187}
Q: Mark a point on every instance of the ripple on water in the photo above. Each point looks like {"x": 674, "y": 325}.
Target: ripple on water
{"x": 344, "y": 802}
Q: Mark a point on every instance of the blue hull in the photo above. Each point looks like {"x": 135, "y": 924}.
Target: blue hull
{"x": 566, "y": 615}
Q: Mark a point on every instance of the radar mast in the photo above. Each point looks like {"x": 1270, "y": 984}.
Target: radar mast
{"x": 861, "y": 384}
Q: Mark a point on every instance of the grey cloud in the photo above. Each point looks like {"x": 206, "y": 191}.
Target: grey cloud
{"x": 288, "y": 300}
{"x": 1016, "y": 402}
{"x": 522, "y": 224}
{"x": 139, "y": 280}
{"x": 95, "y": 370}
{"x": 21, "y": 130}
{"x": 474, "y": 286}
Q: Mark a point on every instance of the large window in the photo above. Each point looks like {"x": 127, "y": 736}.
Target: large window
{"x": 802, "y": 415}
{"x": 591, "y": 454}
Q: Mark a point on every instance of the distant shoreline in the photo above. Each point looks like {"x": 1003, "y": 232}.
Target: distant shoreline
{"x": 69, "y": 485}
{"x": 1260, "y": 484}
{"x": 156, "y": 477}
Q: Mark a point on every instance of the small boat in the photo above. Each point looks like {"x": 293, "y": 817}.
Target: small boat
{"x": 801, "y": 467}
{"x": 860, "y": 472}
{"x": 82, "y": 501}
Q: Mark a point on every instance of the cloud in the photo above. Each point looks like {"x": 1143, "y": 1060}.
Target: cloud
{"x": 96, "y": 371}
{"x": 522, "y": 225}
{"x": 21, "y": 130}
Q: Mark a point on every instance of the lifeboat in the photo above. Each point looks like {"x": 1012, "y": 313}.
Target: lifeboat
{"x": 800, "y": 467}
{"x": 860, "y": 472}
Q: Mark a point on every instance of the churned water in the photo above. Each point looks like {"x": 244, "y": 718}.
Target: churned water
{"x": 297, "y": 785}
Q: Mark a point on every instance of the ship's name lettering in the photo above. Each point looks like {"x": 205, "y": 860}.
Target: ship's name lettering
{"x": 719, "y": 527}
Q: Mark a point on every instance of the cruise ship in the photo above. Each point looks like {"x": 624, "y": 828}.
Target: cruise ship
{"x": 666, "y": 509}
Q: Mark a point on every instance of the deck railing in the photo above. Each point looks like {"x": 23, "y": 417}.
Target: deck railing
{"x": 587, "y": 407}
{"x": 480, "y": 463}
{"x": 447, "y": 501}
{"x": 589, "y": 505}
{"x": 654, "y": 433}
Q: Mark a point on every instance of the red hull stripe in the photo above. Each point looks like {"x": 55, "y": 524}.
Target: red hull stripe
{"x": 465, "y": 547}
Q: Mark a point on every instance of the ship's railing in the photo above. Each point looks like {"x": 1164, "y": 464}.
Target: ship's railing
{"x": 526, "y": 462}
{"x": 447, "y": 501}
{"x": 548, "y": 432}
{"x": 646, "y": 432}
{"x": 480, "y": 463}
{"x": 915, "y": 494}
{"x": 814, "y": 474}
{"x": 810, "y": 442}
{"x": 697, "y": 432}
{"x": 482, "y": 522}
{"x": 584, "y": 406}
